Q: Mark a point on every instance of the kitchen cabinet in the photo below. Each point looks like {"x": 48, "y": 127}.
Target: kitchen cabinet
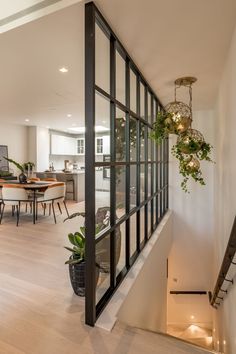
{"x": 63, "y": 145}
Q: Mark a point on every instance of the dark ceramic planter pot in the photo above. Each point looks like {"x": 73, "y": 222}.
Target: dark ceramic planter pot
{"x": 22, "y": 178}
{"x": 77, "y": 277}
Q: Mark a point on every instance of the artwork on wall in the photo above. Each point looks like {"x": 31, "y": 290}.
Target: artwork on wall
{"x": 4, "y": 165}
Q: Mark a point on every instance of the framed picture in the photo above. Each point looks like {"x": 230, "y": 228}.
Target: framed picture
{"x": 4, "y": 165}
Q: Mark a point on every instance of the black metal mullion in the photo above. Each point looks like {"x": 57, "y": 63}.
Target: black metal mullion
{"x": 113, "y": 168}
{"x": 127, "y": 146}
{"x": 146, "y": 160}
{"x": 152, "y": 169}
{"x": 138, "y": 145}
{"x": 90, "y": 249}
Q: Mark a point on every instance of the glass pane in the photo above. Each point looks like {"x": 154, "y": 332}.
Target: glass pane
{"x": 102, "y": 128}
{"x": 133, "y": 187}
{"x": 149, "y": 179}
{"x": 150, "y": 143}
{"x": 120, "y": 191}
{"x": 154, "y": 110}
{"x": 120, "y": 247}
{"x": 102, "y": 59}
{"x": 159, "y": 175}
{"x": 120, "y": 78}
{"x": 103, "y": 273}
{"x": 149, "y": 209}
{"x": 142, "y": 224}
{"x": 142, "y": 183}
{"x": 149, "y": 108}
{"x": 120, "y": 135}
{"x": 142, "y": 101}
{"x": 133, "y": 139}
{"x": 102, "y": 192}
{"x": 154, "y": 178}
{"x": 142, "y": 142}
{"x": 133, "y": 234}
{"x": 133, "y": 91}
{"x": 154, "y": 210}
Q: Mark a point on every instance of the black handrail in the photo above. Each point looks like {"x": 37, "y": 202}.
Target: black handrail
{"x": 187, "y": 292}
{"x": 218, "y": 294}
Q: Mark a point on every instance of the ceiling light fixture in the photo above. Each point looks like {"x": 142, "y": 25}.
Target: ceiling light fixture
{"x": 69, "y": 115}
{"x": 63, "y": 70}
{"x": 176, "y": 118}
{"x": 26, "y": 120}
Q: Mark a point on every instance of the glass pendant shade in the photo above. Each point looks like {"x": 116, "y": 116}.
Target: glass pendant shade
{"x": 191, "y": 141}
{"x": 193, "y": 165}
{"x": 180, "y": 115}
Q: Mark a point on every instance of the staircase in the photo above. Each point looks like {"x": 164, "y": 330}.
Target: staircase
{"x": 145, "y": 342}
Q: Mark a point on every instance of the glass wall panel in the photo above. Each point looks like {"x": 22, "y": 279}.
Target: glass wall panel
{"x": 142, "y": 183}
{"x": 142, "y": 101}
{"x": 120, "y": 142}
{"x": 150, "y": 144}
{"x": 133, "y": 234}
{"x": 133, "y": 139}
{"x": 102, "y": 188}
{"x": 149, "y": 108}
{"x": 103, "y": 272}
{"x": 102, "y": 128}
{"x": 120, "y": 191}
{"x": 120, "y": 248}
{"x": 154, "y": 211}
{"x": 142, "y": 224}
{"x": 133, "y": 186}
{"x": 149, "y": 179}
{"x": 133, "y": 91}
{"x": 142, "y": 142}
{"x": 120, "y": 78}
{"x": 102, "y": 59}
{"x": 149, "y": 210}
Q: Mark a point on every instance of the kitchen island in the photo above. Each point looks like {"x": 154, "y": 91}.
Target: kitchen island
{"x": 74, "y": 181}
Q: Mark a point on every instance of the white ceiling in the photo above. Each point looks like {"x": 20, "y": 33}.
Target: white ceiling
{"x": 166, "y": 38}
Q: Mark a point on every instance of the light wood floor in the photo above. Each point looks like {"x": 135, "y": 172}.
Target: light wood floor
{"x": 39, "y": 314}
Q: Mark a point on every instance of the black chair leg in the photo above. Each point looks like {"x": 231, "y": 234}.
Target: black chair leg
{"x": 44, "y": 209}
{"x": 66, "y": 208}
{"x": 2, "y": 211}
{"x": 49, "y": 213}
{"x": 18, "y": 214}
{"x": 59, "y": 207}
{"x": 54, "y": 215}
{"x": 13, "y": 210}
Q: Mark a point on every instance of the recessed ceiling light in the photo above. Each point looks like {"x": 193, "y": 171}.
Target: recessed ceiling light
{"x": 98, "y": 128}
{"x": 26, "y": 120}
{"x": 69, "y": 115}
{"x": 192, "y": 317}
{"x": 63, "y": 70}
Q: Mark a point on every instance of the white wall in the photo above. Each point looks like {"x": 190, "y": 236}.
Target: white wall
{"x": 225, "y": 194}
{"x": 190, "y": 260}
{"x": 38, "y": 146}
{"x": 15, "y": 137}
{"x": 145, "y": 306}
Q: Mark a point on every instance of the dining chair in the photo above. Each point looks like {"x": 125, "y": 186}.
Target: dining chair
{"x": 14, "y": 196}
{"x": 54, "y": 194}
{"x": 33, "y": 179}
{"x": 49, "y": 179}
{"x": 1, "y": 202}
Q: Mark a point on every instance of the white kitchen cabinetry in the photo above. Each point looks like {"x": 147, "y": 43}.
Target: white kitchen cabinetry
{"x": 63, "y": 145}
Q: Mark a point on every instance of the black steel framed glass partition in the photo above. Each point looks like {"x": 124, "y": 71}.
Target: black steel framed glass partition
{"x": 126, "y": 173}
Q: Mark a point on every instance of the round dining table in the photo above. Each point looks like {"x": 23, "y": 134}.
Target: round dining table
{"x": 34, "y": 187}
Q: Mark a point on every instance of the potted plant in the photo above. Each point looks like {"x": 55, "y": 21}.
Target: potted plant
{"x": 22, "y": 176}
{"x": 77, "y": 262}
{"x": 28, "y": 167}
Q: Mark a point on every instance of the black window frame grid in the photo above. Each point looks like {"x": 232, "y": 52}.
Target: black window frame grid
{"x": 158, "y": 189}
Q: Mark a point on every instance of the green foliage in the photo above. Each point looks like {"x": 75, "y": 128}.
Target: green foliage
{"x": 162, "y": 127}
{"x": 28, "y": 165}
{"x": 203, "y": 153}
{"x": 19, "y": 166}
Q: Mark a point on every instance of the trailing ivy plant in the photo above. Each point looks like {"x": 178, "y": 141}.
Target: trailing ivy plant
{"x": 162, "y": 127}
{"x": 187, "y": 169}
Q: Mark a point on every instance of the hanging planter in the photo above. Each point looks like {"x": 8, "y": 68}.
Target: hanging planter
{"x": 190, "y": 147}
{"x": 191, "y": 141}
